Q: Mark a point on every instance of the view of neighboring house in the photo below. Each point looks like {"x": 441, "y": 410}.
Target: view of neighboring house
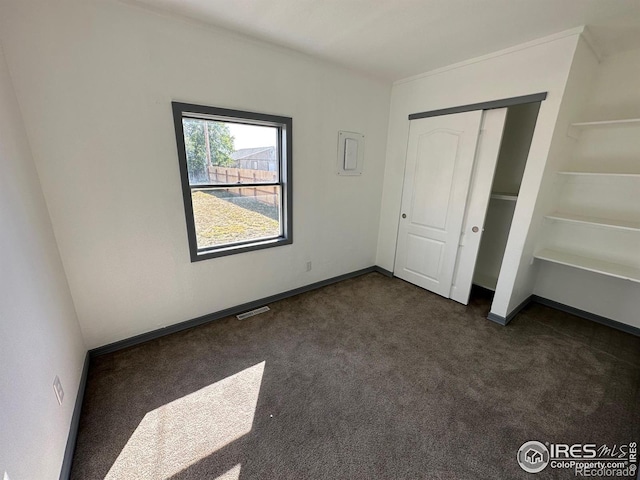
{"x": 259, "y": 158}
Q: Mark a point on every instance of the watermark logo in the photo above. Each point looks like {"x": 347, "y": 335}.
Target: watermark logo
{"x": 533, "y": 457}
{"x": 587, "y": 460}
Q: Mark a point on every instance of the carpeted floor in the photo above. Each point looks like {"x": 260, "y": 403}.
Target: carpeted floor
{"x": 371, "y": 378}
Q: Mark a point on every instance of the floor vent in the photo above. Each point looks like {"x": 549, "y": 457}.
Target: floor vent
{"x": 251, "y": 313}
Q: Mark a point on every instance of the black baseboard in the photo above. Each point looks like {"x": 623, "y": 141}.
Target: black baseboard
{"x": 505, "y": 320}
{"x": 384, "y": 272}
{"x": 587, "y": 315}
{"x": 145, "y": 337}
{"x": 67, "y": 460}
{"x": 568, "y": 309}
{"x": 497, "y": 319}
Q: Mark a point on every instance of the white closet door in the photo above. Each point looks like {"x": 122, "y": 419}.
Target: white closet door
{"x": 440, "y": 156}
{"x": 478, "y": 202}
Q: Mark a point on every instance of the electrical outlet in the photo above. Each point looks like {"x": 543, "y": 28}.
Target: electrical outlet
{"x": 57, "y": 388}
{"x": 308, "y": 266}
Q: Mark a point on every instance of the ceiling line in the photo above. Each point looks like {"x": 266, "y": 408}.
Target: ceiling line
{"x": 506, "y": 51}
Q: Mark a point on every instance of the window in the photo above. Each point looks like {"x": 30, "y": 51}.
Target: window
{"x": 236, "y": 179}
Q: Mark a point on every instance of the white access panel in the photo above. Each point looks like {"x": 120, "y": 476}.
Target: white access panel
{"x": 350, "y": 153}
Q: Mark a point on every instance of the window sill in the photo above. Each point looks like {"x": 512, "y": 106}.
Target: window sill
{"x": 234, "y": 249}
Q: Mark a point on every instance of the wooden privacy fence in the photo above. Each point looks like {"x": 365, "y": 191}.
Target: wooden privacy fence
{"x": 266, "y": 194}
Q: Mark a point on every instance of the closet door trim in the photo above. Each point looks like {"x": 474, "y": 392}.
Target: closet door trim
{"x": 493, "y": 104}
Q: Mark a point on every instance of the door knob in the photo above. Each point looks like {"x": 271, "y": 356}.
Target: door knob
{"x": 475, "y": 229}
{"x": 404, "y": 215}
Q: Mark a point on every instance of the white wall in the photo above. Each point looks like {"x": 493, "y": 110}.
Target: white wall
{"x": 95, "y": 81}
{"x": 39, "y": 332}
{"x": 583, "y": 66}
{"x": 532, "y": 68}
{"x": 612, "y": 94}
{"x": 615, "y": 92}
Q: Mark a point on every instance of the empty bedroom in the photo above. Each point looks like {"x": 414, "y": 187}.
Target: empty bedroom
{"x": 285, "y": 239}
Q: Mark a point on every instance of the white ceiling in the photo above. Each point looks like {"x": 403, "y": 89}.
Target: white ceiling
{"x": 394, "y": 39}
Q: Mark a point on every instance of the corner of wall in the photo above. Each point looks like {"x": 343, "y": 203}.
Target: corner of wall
{"x": 40, "y": 331}
{"x": 578, "y": 83}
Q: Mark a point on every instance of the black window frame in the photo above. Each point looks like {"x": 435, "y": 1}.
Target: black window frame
{"x": 284, "y": 150}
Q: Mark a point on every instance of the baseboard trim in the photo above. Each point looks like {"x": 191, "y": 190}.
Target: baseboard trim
{"x": 568, "y": 309}
{"x": 587, "y": 315}
{"x": 505, "y": 320}
{"x": 69, "y": 450}
{"x": 383, "y": 271}
{"x": 161, "y": 332}
{"x": 497, "y": 319}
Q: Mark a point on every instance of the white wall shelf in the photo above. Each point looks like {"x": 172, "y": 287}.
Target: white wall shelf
{"x": 510, "y": 197}
{"x": 601, "y": 174}
{"x": 576, "y": 128}
{"x": 590, "y": 264}
{"x": 607, "y": 123}
{"x": 595, "y": 221}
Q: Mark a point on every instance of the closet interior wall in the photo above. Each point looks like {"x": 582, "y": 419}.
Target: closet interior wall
{"x": 512, "y": 159}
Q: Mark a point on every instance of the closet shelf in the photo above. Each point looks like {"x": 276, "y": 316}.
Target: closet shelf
{"x": 595, "y": 221}
{"x": 590, "y": 264}
{"x": 607, "y": 123}
{"x": 576, "y": 128}
{"x": 511, "y": 197}
{"x": 601, "y": 174}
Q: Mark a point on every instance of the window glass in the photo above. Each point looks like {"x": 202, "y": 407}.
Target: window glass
{"x": 236, "y": 215}
{"x": 228, "y": 152}
{"x": 236, "y": 169}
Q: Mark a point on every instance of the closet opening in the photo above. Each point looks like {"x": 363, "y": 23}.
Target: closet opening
{"x": 512, "y": 158}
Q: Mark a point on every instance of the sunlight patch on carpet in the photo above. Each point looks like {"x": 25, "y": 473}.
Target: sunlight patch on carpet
{"x": 233, "y": 474}
{"x": 178, "y": 434}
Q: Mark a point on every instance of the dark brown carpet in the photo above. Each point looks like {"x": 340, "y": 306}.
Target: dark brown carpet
{"x": 371, "y": 378}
